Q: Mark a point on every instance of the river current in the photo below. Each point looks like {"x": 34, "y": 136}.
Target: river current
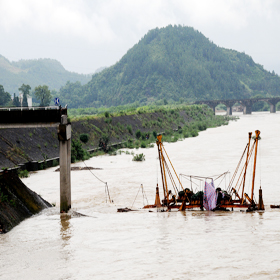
{"x": 105, "y": 244}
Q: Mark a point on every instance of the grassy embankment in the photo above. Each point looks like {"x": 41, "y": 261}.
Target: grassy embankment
{"x": 138, "y": 127}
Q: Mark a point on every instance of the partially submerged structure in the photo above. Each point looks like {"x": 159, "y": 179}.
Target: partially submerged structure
{"x": 17, "y": 202}
{"x": 175, "y": 196}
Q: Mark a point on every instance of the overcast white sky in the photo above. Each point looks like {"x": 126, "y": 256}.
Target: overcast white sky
{"x": 87, "y": 34}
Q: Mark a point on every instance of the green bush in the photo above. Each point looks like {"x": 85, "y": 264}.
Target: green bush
{"x": 143, "y": 145}
{"x": 84, "y": 137}
{"x": 77, "y": 152}
{"x": 139, "y": 157}
{"x": 137, "y": 144}
{"x": 105, "y": 139}
{"x": 202, "y": 126}
{"x": 194, "y": 133}
{"x": 129, "y": 128}
{"x": 138, "y": 134}
{"x": 112, "y": 152}
{"x": 130, "y": 145}
{"x": 23, "y": 173}
{"x": 42, "y": 165}
{"x": 187, "y": 134}
{"x": 109, "y": 120}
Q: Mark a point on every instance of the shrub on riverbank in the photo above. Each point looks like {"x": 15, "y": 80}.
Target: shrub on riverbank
{"x": 138, "y": 157}
{"x": 23, "y": 173}
{"x": 77, "y": 152}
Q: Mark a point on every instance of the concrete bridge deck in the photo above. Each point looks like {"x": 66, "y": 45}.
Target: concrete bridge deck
{"x": 246, "y": 103}
{"x": 46, "y": 116}
{"x": 15, "y": 117}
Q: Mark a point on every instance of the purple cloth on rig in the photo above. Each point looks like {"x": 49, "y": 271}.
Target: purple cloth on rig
{"x": 209, "y": 196}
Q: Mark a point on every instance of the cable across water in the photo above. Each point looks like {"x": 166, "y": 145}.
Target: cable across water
{"x": 106, "y": 185}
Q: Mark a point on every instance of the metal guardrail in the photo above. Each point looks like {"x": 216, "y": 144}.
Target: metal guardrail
{"x": 29, "y": 108}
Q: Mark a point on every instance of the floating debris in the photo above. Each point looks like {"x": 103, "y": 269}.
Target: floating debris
{"x": 81, "y": 168}
{"x": 125, "y": 209}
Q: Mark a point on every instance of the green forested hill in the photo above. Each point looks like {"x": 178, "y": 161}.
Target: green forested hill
{"x": 36, "y": 72}
{"x": 173, "y": 63}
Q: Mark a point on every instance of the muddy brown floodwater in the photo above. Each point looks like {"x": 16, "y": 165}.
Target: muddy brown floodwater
{"x": 105, "y": 244}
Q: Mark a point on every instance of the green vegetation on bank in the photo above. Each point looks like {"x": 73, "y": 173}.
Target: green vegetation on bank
{"x": 139, "y": 128}
{"x": 122, "y": 110}
{"x": 77, "y": 152}
{"x": 23, "y": 173}
{"x": 139, "y": 157}
{"x": 108, "y": 132}
{"x": 128, "y": 109}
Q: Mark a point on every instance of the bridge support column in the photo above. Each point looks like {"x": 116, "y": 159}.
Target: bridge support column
{"x": 214, "y": 109}
{"x": 212, "y": 104}
{"x": 64, "y": 137}
{"x": 229, "y": 111}
{"x": 272, "y": 108}
{"x": 247, "y": 109}
{"x": 229, "y": 104}
{"x": 272, "y": 104}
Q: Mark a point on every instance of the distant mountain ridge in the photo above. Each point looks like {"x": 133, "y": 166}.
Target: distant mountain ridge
{"x": 173, "y": 63}
{"x": 36, "y": 72}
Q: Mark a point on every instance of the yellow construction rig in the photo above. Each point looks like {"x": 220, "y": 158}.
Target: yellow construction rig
{"x": 184, "y": 199}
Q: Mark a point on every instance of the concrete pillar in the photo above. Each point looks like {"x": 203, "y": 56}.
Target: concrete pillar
{"x": 229, "y": 110}
{"x": 272, "y": 108}
{"x": 261, "y": 205}
{"x": 214, "y": 108}
{"x": 69, "y": 167}
{"x": 65, "y": 187}
{"x": 247, "y": 109}
{"x": 64, "y": 137}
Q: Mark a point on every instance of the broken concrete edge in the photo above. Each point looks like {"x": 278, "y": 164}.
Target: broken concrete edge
{"x": 17, "y": 201}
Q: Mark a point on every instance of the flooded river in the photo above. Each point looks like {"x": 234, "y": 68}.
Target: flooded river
{"x": 105, "y": 244}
